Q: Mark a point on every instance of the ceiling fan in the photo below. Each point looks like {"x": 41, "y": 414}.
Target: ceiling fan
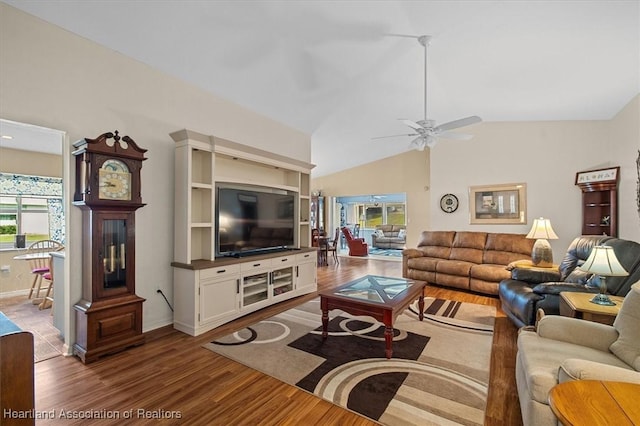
{"x": 426, "y": 130}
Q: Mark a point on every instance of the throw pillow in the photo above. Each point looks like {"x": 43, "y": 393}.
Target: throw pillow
{"x": 627, "y": 323}
{"x": 402, "y": 233}
{"x": 379, "y": 233}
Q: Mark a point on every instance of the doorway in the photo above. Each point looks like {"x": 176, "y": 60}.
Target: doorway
{"x": 33, "y": 205}
{"x": 362, "y": 213}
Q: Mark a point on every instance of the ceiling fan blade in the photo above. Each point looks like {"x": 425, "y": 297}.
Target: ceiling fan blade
{"x": 463, "y": 122}
{"x": 455, "y": 136}
{"x": 395, "y": 136}
{"x": 412, "y": 124}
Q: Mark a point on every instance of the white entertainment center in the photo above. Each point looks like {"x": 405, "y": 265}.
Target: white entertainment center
{"x": 210, "y": 291}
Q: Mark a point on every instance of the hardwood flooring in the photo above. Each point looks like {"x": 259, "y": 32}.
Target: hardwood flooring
{"x": 173, "y": 378}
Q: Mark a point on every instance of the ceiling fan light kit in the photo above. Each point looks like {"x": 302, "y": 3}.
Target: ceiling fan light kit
{"x": 426, "y": 130}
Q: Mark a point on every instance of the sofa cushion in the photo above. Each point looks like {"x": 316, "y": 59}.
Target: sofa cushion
{"x": 436, "y": 251}
{"x": 627, "y": 347}
{"x": 578, "y": 252}
{"x": 488, "y": 272}
{"x": 540, "y": 359}
{"x": 468, "y": 246}
{"x": 454, "y": 267}
{"x": 503, "y": 249}
{"x": 471, "y": 255}
{"x": 579, "y": 369}
{"x": 423, "y": 263}
{"x": 474, "y": 240}
{"x": 436, "y": 243}
{"x": 437, "y": 238}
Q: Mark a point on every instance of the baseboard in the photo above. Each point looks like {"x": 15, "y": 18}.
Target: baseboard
{"x": 24, "y": 292}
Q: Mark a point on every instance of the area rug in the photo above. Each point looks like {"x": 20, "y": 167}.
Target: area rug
{"x": 438, "y": 375}
{"x": 373, "y": 251}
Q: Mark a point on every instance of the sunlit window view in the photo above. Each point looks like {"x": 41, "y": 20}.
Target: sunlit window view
{"x": 379, "y": 220}
{"x": 30, "y": 210}
{"x": 23, "y": 215}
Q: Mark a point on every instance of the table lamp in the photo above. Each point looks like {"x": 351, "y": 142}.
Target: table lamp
{"x": 603, "y": 262}
{"x": 541, "y": 255}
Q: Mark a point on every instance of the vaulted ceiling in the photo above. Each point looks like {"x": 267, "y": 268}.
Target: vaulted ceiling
{"x": 333, "y": 70}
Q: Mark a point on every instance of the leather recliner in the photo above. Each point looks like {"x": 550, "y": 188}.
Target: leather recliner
{"x": 531, "y": 289}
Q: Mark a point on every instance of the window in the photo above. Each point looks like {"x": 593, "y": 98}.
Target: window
{"x": 370, "y": 215}
{"x": 395, "y": 214}
{"x": 373, "y": 216}
{"x": 368, "y": 211}
{"x": 30, "y": 205}
{"x": 23, "y": 215}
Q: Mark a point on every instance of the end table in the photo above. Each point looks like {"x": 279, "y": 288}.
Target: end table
{"x": 578, "y": 305}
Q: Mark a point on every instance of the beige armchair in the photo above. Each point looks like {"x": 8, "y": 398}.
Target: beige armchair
{"x": 561, "y": 349}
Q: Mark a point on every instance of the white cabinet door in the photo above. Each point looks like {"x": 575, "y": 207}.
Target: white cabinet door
{"x": 219, "y": 293}
{"x": 283, "y": 276}
{"x": 282, "y": 281}
{"x": 306, "y": 272}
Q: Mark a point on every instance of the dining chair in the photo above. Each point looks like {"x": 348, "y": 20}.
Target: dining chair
{"x": 333, "y": 246}
{"x": 41, "y": 265}
{"x": 47, "y": 281}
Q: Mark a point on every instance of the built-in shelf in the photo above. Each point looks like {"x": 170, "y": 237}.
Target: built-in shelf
{"x": 599, "y": 201}
{"x": 203, "y": 160}
{"x": 209, "y": 292}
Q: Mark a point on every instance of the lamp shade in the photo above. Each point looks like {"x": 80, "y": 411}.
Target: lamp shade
{"x": 542, "y": 229}
{"x": 603, "y": 261}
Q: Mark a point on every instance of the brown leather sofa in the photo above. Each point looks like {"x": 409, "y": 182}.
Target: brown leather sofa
{"x": 466, "y": 260}
{"x": 393, "y": 236}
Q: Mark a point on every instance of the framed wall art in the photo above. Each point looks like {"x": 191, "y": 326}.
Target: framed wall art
{"x": 498, "y": 204}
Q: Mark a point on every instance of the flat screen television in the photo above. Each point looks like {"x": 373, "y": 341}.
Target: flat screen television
{"x": 253, "y": 219}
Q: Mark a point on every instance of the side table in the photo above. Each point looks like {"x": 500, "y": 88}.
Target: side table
{"x": 578, "y": 305}
{"x": 593, "y": 402}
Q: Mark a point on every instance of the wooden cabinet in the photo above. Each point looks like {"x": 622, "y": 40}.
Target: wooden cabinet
{"x": 210, "y": 291}
{"x": 209, "y": 294}
{"x": 599, "y": 201}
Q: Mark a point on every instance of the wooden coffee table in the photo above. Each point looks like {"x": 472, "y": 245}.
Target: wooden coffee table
{"x": 592, "y": 402}
{"x": 382, "y": 298}
{"x": 578, "y": 305}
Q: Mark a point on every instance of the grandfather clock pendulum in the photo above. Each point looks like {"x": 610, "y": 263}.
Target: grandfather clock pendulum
{"x": 108, "y": 190}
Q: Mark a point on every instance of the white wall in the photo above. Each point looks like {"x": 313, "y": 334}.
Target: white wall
{"x": 53, "y": 78}
{"x": 545, "y": 156}
{"x": 623, "y": 143}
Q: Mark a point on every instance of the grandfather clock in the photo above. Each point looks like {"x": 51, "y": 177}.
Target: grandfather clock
{"x": 107, "y": 189}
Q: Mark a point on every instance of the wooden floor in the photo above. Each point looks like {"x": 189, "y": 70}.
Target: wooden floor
{"x": 173, "y": 378}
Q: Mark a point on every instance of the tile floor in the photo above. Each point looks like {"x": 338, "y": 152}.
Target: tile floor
{"x": 27, "y": 316}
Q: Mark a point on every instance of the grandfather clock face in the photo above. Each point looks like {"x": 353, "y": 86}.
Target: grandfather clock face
{"x": 114, "y": 181}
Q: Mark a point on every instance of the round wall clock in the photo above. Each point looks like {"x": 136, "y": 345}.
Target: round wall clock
{"x": 449, "y": 203}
